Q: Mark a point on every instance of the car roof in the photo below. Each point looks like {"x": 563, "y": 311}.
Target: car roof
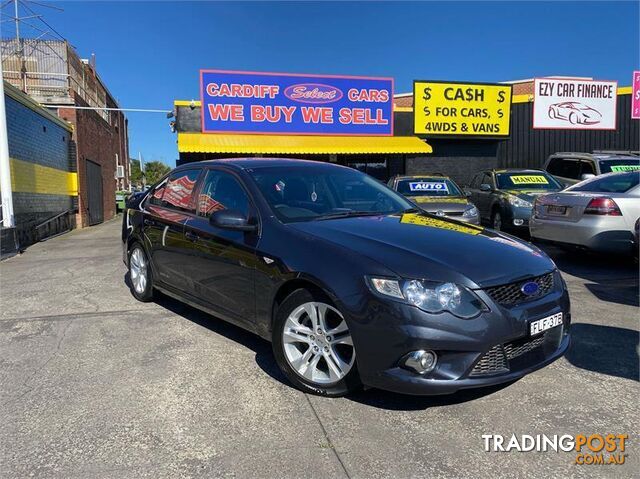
{"x": 517, "y": 170}
{"x": 598, "y": 155}
{"x": 425, "y": 175}
{"x": 253, "y": 163}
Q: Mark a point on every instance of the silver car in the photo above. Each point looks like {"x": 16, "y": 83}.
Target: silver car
{"x": 599, "y": 214}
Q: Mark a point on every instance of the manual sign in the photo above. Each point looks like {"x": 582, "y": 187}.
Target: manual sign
{"x": 574, "y": 104}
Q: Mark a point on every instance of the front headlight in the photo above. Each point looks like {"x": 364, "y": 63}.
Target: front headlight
{"x": 470, "y": 212}
{"x": 519, "y": 202}
{"x": 432, "y": 297}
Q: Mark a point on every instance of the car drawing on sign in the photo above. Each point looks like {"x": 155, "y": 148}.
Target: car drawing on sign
{"x": 598, "y": 214}
{"x": 575, "y": 113}
{"x": 438, "y": 195}
{"x": 352, "y": 284}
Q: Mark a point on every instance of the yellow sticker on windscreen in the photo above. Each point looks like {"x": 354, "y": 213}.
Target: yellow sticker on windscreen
{"x": 529, "y": 180}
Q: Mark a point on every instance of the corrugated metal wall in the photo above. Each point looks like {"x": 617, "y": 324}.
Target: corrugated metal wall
{"x": 529, "y": 148}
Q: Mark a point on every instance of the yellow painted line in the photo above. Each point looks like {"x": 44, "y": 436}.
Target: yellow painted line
{"x": 27, "y": 177}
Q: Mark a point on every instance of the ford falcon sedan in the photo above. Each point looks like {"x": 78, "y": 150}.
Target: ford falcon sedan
{"x": 352, "y": 284}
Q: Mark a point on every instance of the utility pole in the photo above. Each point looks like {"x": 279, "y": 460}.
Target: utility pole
{"x": 141, "y": 161}
{"x": 20, "y": 49}
{"x": 8, "y": 221}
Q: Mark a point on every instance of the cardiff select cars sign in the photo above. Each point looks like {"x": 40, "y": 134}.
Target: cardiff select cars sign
{"x": 461, "y": 109}
{"x": 294, "y": 104}
{"x": 574, "y": 104}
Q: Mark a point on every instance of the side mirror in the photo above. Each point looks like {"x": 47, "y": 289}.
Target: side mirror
{"x": 231, "y": 220}
{"x": 466, "y": 192}
{"x": 586, "y": 176}
{"x": 485, "y": 187}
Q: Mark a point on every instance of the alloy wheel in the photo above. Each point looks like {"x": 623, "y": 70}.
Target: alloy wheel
{"x": 317, "y": 343}
{"x": 138, "y": 270}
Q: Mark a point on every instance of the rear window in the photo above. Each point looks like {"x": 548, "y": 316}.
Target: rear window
{"x": 179, "y": 190}
{"x": 620, "y": 183}
{"x": 618, "y": 165}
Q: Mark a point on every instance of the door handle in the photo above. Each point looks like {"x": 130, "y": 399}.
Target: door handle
{"x": 148, "y": 222}
{"x": 191, "y": 236}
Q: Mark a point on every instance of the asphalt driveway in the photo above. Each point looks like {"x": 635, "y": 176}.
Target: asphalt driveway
{"x": 96, "y": 384}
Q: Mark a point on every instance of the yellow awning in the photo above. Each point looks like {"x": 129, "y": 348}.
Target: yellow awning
{"x": 291, "y": 144}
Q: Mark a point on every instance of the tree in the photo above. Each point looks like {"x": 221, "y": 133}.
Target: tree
{"x": 154, "y": 170}
{"x": 136, "y": 173}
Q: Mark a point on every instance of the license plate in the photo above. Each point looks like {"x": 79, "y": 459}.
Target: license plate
{"x": 556, "y": 210}
{"x": 540, "y": 325}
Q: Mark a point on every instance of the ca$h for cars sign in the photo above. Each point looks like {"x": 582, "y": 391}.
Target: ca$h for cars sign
{"x": 295, "y": 104}
{"x": 461, "y": 109}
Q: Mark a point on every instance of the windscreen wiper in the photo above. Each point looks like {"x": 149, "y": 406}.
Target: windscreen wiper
{"x": 348, "y": 214}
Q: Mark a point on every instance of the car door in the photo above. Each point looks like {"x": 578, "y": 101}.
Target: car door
{"x": 483, "y": 198}
{"x": 221, "y": 262}
{"x": 472, "y": 189}
{"x": 166, "y": 211}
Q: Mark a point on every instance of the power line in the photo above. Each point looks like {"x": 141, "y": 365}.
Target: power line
{"x": 143, "y": 110}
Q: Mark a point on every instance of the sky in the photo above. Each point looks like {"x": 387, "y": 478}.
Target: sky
{"x": 149, "y": 53}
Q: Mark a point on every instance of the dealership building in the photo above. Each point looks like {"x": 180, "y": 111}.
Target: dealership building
{"x": 405, "y": 151}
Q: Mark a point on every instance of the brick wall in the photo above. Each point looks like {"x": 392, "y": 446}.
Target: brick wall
{"x": 98, "y": 141}
{"x": 39, "y": 152}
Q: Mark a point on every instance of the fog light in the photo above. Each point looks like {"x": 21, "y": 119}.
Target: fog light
{"x": 518, "y": 222}
{"x": 421, "y": 361}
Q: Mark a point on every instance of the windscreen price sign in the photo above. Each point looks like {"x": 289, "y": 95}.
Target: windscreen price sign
{"x": 461, "y": 109}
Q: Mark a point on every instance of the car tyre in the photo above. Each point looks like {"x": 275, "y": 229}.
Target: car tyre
{"x": 313, "y": 347}
{"x": 496, "y": 220}
{"x": 573, "y": 118}
{"x": 140, "y": 275}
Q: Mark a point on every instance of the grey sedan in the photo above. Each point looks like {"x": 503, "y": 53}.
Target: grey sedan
{"x": 598, "y": 214}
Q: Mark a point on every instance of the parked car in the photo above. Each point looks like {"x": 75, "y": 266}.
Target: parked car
{"x": 437, "y": 194}
{"x": 570, "y": 168}
{"x": 505, "y": 197}
{"x": 600, "y": 214}
{"x": 349, "y": 280}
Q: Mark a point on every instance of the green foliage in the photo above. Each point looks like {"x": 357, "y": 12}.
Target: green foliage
{"x": 154, "y": 170}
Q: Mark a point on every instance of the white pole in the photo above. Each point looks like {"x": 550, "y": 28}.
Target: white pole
{"x": 8, "y": 221}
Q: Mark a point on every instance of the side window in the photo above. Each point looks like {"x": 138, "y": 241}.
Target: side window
{"x": 221, "y": 191}
{"x": 486, "y": 178}
{"x": 475, "y": 182}
{"x": 155, "y": 198}
{"x": 570, "y": 169}
{"x": 586, "y": 168}
{"x": 555, "y": 166}
{"x": 179, "y": 190}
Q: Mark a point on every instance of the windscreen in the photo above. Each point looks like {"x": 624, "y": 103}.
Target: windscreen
{"x": 526, "y": 180}
{"x": 428, "y": 186}
{"x": 310, "y": 193}
{"x": 619, "y": 165}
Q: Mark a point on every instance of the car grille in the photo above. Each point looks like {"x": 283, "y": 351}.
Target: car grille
{"x": 509, "y": 294}
{"x": 496, "y": 360}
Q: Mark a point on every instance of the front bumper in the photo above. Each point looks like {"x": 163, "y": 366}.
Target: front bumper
{"x": 385, "y": 331}
{"x": 516, "y": 218}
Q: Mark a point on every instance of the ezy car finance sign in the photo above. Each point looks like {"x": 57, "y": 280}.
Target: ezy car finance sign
{"x": 574, "y": 104}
